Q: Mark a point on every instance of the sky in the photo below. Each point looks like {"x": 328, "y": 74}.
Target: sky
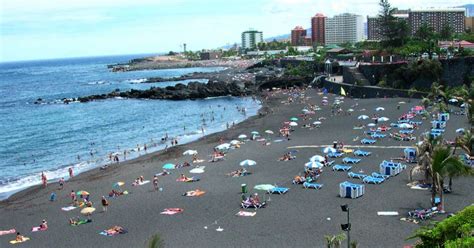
{"x": 44, "y": 29}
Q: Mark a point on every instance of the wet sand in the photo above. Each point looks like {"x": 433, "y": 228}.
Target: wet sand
{"x": 299, "y": 218}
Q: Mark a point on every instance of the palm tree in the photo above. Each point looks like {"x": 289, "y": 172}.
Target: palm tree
{"x": 466, "y": 142}
{"x": 426, "y": 102}
{"x": 334, "y": 241}
{"x": 444, "y": 164}
{"x": 436, "y": 91}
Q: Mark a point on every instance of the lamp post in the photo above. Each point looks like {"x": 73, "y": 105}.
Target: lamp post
{"x": 347, "y": 227}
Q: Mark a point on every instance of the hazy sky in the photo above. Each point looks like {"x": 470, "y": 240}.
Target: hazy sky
{"x": 41, "y": 29}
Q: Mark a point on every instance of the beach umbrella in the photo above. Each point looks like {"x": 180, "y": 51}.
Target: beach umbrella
{"x": 463, "y": 105}
{"x": 119, "y": 184}
{"x": 224, "y": 146}
{"x": 87, "y": 211}
{"x": 329, "y": 150}
{"x": 82, "y": 192}
{"x": 379, "y": 109}
{"x": 269, "y": 131}
{"x": 234, "y": 142}
{"x": 382, "y": 119}
{"x": 264, "y": 187}
{"x": 317, "y": 158}
{"x": 418, "y": 108}
{"x": 293, "y": 119}
{"x": 293, "y": 124}
{"x": 325, "y": 97}
{"x": 242, "y": 136}
{"x": 460, "y": 130}
{"x": 304, "y": 110}
{"x": 313, "y": 165}
{"x": 254, "y": 133}
{"x": 350, "y": 110}
{"x": 169, "y": 166}
{"x": 363, "y": 117}
{"x": 190, "y": 152}
{"x": 371, "y": 125}
{"x": 317, "y": 123}
{"x": 453, "y": 100}
{"x": 248, "y": 162}
{"x": 405, "y": 125}
{"x": 402, "y": 102}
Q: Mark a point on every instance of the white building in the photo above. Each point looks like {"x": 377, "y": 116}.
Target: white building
{"x": 251, "y": 38}
{"x": 344, "y": 28}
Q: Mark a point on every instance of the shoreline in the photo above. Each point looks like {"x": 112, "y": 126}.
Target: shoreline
{"x": 141, "y": 157}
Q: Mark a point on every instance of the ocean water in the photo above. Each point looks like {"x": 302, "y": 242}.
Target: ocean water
{"x": 53, "y": 137}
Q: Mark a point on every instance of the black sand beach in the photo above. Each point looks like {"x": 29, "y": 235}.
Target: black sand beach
{"x": 302, "y": 217}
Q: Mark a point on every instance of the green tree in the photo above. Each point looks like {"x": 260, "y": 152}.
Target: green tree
{"x": 453, "y": 232}
{"x": 334, "y": 241}
{"x": 426, "y": 35}
{"x": 393, "y": 30}
{"x": 446, "y": 32}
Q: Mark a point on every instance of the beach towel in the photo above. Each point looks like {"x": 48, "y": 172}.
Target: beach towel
{"x": 141, "y": 183}
{"x": 37, "y": 229}
{"x": 17, "y": 242}
{"x": 172, "y": 211}
{"x": 112, "y": 232}
{"x": 387, "y": 213}
{"x": 246, "y": 214}
{"x": 68, "y": 208}
{"x": 81, "y": 222}
{"x": 5, "y": 232}
{"x": 197, "y": 170}
{"x": 193, "y": 193}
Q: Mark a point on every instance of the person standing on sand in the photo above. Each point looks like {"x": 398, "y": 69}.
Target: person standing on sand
{"x": 105, "y": 203}
{"x": 73, "y": 196}
{"x": 61, "y": 183}
{"x": 155, "y": 183}
{"x": 71, "y": 173}
{"x": 44, "y": 179}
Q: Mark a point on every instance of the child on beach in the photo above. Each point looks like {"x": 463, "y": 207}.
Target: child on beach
{"x": 155, "y": 183}
{"x": 19, "y": 237}
{"x": 61, "y": 183}
{"x": 73, "y": 196}
{"x": 105, "y": 203}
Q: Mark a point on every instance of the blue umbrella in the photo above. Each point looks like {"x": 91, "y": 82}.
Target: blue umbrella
{"x": 313, "y": 165}
{"x": 169, "y": 166}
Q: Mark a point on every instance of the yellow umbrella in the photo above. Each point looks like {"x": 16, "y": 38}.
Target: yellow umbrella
{"x": 118, "y": 184}
{"x": 87, "y": 211}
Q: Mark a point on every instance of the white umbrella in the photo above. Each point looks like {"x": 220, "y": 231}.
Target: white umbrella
{"x": 248, "y": 162}
{"x": 325, "y": 97}
{"x": 371, "y": 125}
{"x": 293, "y": 124}
{"x": 363, "y": 117}
{"x": 402, "y": 102}
{"x": 305, "y": 110}
{"x": 197, "y": 170}
{"x": 382, "y": 119}
{"x": 190, "y": 152}
{"x": 234, "y": 142}
{"x": 380, "y": 109}
{"x": 254, "y": 133}
{"x": 317, "y": 158}
{"x": 463, "y": 105}
{"x": 269, "y": 131}
{"x": 405, "y": 125}
{"x": 329, "y": 150}
{"x": 460, "y": 130}
{"x": 313, "y": 165}
{"x": 350, "y": 110}
{"x": 317, "y": 123}
{"x": 224, "y": 146}
{"x": 453, "y": 100}
{"x": 242, "y": 136}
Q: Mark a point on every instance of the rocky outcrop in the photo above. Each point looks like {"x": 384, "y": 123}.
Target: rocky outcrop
{"x": 194, "y": 90}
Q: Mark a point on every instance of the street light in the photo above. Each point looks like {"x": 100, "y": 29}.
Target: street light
{"x": 347, "y": 227}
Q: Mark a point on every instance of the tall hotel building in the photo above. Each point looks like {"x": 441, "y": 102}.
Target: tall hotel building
{"x": 318, "y": 29}
{"x": 437, "y": 19}
{"x": 344, "y": 28}
{"x": 251, "y": 38}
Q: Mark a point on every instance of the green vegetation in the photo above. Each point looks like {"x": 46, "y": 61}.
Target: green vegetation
{"x": 156, "y": 242}
{"x": 302, "y": 70}
{"x": 273, "y": 45}
{"x": 454, "y": 232}
{"x": 395, "y": 30}
{"x": 334, "y": 241}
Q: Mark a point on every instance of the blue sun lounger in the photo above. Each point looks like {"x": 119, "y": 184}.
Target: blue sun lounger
{"x": 368, "y": 141}
{"x": 278, "y": 190}
{"x": 406, "y": 131}
{"x": 335, "y": 154}
{"x": 380, "y": 176}
{"x": 373, "y": 180}
{"x": 340, "y": 167}
{"x": 362, "y": 153}
{"x": 357, "y": 175}
{"x": 415, "y": 123}
{"x": 394, "y": 124}
{"x": 348, "y": 160}
{"x": 378, "y": 136}
{"x": 307, "y": 185}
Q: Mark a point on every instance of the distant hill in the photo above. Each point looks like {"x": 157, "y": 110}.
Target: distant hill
{"x": 286, "y": 36}
{"x": 469, "y": 9}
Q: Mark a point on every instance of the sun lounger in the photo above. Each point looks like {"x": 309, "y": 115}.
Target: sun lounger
{"x": 278, "y": 190}
{"x": 373, "y": 180}
{"x": 368, "y": 141}
{"x": 348, "y": 160}
{"x": 406, "y": 131}
{"x": 356, "y": 175}
{"x": 394, "y": 124}
{"x": 5, "y": 232}
{"x": 340, "y": 167}
{"x": 362, "y": 153}
{"x": 307, "y": 185}
{"x": 246, "y": 214}
{"x": 172, "y": 211}
{"x": 378, "y": 136}
{"x": 247, "y": 204}
{"x": 329, "y": 163}
{"x": 378, "y": 175}
{"x": 423, "y": 214}
{"x": 335, "y": 154}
